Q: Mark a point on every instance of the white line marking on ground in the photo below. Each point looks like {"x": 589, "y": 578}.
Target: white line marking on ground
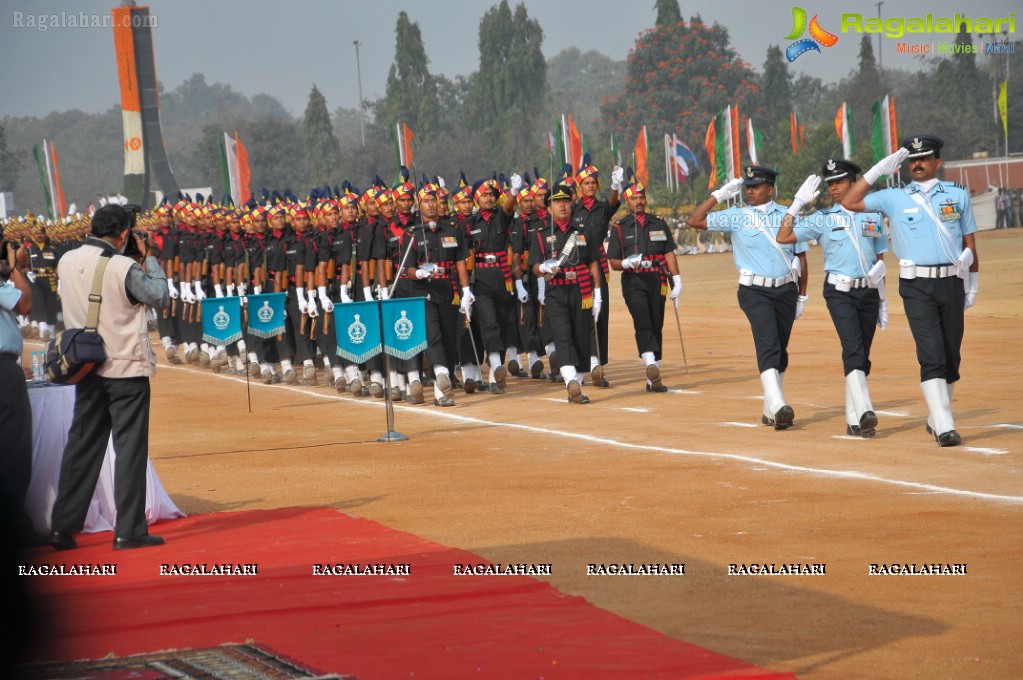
{"x": 684, "y": 392}
{"x": 734, "y": 423}
{"x": 758, "y": 464}
{"x": 633, "y": 409}
{"x": 1009, "y": 426}
{"x": 986, "y": 452}
{"x": 849, "y": 437}
{"x": 893, "y": 414}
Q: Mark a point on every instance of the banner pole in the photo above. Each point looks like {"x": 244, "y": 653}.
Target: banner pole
{"x": 392, "y": 435}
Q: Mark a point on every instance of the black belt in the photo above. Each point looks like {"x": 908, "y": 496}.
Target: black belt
{"x": 9, "y": 356}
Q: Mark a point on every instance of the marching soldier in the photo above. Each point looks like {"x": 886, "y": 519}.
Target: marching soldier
{"x": 853, "y": 245}
{"x": 933, "y": 231}
{"x": 526, "y": 286}
{"x": 642, "y": 247}
{"x": 469, "y": 346}
{"x": 596, "y": 214}
{"x": 166, "y": 236}
{"x": 768, "y": 276}
{"x": 493, "y": 278}
{"x": 279, "y": 264}
{"x": 42, "y": 274}
{"x": 436, "y": 267}
{"x": 569, "y": 263}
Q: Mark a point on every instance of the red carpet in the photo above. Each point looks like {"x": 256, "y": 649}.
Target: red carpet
{"x": 430, "y": 624}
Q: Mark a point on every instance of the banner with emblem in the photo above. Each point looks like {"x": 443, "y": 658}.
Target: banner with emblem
{"x": 357, "y": 326}
{"x": 266, "y": 314}
{"x": 404, "y": 326}
{"x": 222, "y": 320}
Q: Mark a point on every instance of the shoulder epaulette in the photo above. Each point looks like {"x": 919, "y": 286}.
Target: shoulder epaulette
{"x": 958, "y": 186}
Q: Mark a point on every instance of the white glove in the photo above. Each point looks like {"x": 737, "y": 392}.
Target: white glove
{"x": 311, "y": 304}
{"x": 257, "y": 290}
{"x": 801, "y": 305}
{"x": 516, "y": 183}
{"x": 597, "y": 302}
{"x": 422, "y": 274}
{"x": 186, "y": 294}
{"x": 31, "y": 276}
{"x": 548, "y": 268}
{"x": 385, "y": 294}
{"x": 520, "y": 289}
{"x": 218, "y": 290}
{"x": 170, "y": 286}
{"x": 325, "y": 302}
{"x": 467, "y": 299}
{"x": 243, "y": 300}
{"x": 200, "y": 294}
{"x": 728, "y": 191}
{"x": 242, "y": 289}
{"x": 230, "y": 290}
{"x": 617, "y": 177}
{"x": 541, "y": 290}
{"x": 343, "y": 294}
{"x": 367, "y": 293}
{"x": 882, "y": 315}
{"x": 676, "y": 289}
{"x": 973, "y": 289}
{"x": 626, "y": 263}
{"x": 886, "y": 166}
{"x": 809, "y": 191}
{"x": 303, "y": 306}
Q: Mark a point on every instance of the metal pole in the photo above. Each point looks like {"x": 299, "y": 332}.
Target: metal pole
{"x": 358, "y": 69}
{"x": 880, "y": 61}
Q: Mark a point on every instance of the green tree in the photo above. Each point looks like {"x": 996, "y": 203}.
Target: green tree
{"x": 411, "y": 94}
{"x": 11, "y": 163}
{"x": 677, "y": 78}
{"x": 507, "y": 93}
{"x": 668, "y": 13}
{"x": 322, "y": 150}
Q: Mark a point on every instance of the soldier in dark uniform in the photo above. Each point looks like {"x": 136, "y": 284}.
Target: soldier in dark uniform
{"x": 526, "y": 286}
{"x": 596, "y": 214}
{"x": 398, "y": 234}
{"x": 278, "y": 244}
{"x": 300, "y": 304}
{"x": 42, "y": 275}
{"x": 493, "y": 278}
{"x": 436, "y": 268}
{"x": 469, "y": 347}
{"x": 569, "y": 263}
{"x": 166, "y": 235}
{"x": 642, "y": 247}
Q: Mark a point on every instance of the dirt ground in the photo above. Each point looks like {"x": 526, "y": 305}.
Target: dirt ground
{"x": 689, "y": 476}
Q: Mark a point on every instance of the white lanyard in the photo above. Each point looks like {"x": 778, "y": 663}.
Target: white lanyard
{"x": 854, "y": 237}
{"x": 774, "y": 242}
{"x": 942, "y": 229}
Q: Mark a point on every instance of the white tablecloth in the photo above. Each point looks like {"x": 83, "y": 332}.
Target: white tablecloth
{"x": 52, "y": 411}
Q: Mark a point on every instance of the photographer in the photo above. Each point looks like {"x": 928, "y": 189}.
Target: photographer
{"x": 15, "y": 410}
{"x": 115, "y": 396}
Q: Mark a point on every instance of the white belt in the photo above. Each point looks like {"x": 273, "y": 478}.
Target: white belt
{"x": 938, "y": 272}
{"x": 770, "y": 283}
{"x": 855, "y": 283}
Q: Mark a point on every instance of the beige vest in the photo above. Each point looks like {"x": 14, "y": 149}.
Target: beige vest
{"x": 122, "y": 325}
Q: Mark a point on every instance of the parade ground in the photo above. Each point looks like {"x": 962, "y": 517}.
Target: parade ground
{"x": 689, "y": 477}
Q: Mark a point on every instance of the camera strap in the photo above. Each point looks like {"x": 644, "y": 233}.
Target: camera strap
{"x": 96, "y": 296}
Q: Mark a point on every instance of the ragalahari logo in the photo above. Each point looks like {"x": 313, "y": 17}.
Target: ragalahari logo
{"x": 817, "y": 35}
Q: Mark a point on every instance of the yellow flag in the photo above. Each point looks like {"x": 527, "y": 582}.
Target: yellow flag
{"x": 1003, "y": 105}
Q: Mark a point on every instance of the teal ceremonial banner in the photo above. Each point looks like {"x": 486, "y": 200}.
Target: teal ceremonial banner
{"x": 266, "y": 314}
{"x": 404, "y": 326}
{"x": 357, "y": 326}
{"x": 222, "y": 320}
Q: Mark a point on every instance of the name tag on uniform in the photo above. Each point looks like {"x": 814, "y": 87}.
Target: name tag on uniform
{"x": 911, "y": 210}
{"x": 658, "y": 236}
{"x": 448, "y": 242}
{"x": 475, "y": 231}
{"x": 550, "y": 239}
{"x": 49, "y": 256}
{"x": 629, "y": 238}
{"x": 392, "y": 239}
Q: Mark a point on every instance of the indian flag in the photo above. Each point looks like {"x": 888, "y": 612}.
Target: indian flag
{"x": 844, "y": 128}
{"x": 402, "y": 138}
{"x": 49, "y": 177}
{"x": 722, "y": 144}
{"x": 754, "y": 141}
{"x": 234, "y": 169}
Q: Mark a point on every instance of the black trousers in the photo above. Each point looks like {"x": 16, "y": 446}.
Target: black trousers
{"x": 44, "y": 301}
{"x": 771, "y": 313}
{"x": 935, "y": 310}
{"x": 642, "y": 293}
{"x": 529, "y": 332}
{"x": 105, "y": 405}
{"x": 600, "y": 346}
{"x": 854, "y": 314}
{"x": 570, "y": 326}
{"x": 494, "y": 309}
{"x": 167, "y": 323}
{"x": 295, "y": 340}
{"x": 15, "y": 447}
